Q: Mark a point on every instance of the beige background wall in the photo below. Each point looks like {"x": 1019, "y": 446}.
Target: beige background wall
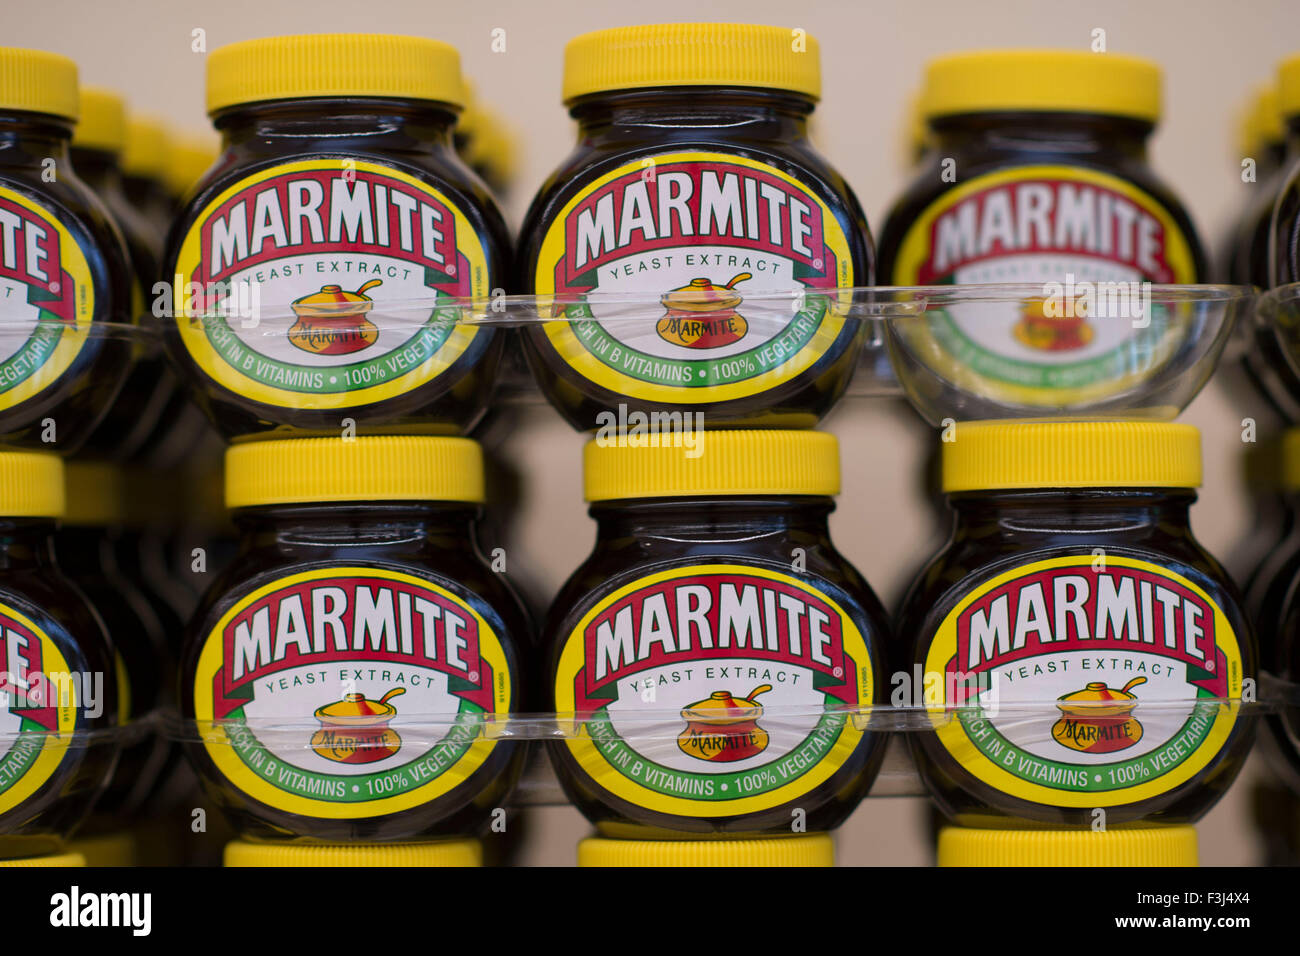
{"x": 1212, "y": 52}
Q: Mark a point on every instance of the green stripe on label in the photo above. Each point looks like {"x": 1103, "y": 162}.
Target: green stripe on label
{"x": 1096, "y": 778}
{"x": 313, "y": 379}
{"x": 354, "y": 788}
{"x": 26, "y": 748}
{"x": 33, "y": 354}
{"x": 794, "y": 337}
{"x": 717, "y": 787}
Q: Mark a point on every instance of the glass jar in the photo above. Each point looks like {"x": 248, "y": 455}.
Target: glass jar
{"x": 331, "y": 241}
{"x": 360, "y": 644}
{"x": 716, "y": 654}
{"x": 686, "y": 236}
{"x": 1084, "y": 658}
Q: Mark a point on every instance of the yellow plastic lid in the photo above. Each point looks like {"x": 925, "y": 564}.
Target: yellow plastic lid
{"x": 96, "y": 493}
{"x": 190, "y": 156}
{"x": 984, "y": 456}
{"x": 334, "y": 64}
{"x": 31, "y": 485}
{"x": 1261, "y": 125}
{"x": 379, "y": 468}
{"x": 1288, "y": 87}
{"x": 692, "y": 54}
{"x": 107, "y": 849}
{"x": 489, "y": 141}
{"x": 748, "y": 462}
{"x": 443, "y": 853}
{"x": 147, "y": 146}
{"x": 1155, "y": 846}
{"x": 1061, "y": 81}
{"x": 103, "y": 120}
{"x": 917, "y": 133}
{"x": 54, "y": 859}
{"x": 815, "y": 849}
{"x": 34, "y": 81}
{"x": 1290, "y": 463}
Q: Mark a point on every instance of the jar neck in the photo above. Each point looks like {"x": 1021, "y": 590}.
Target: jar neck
{"x": 1291, "y": 138}
{"x": 1053, "y": 512}
{"x": 397, "y": 528}
{"x": 98, "y": 168}
{"x": 712, "y": 519}
{"x": 29, "y": 139}
{"x": 1046, "y": 133}
{"x": 720, "y": 113}
{"x": 77, "y": 547}
{"x": 26, "y": 544}
{"x": 343, "y": 123}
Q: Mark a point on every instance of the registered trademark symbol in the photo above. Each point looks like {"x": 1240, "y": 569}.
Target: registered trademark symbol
{"x": 473, "y": 675}
{"x": 451, "y": 270}
{"x": 1209, "y": 665}
{"x": 838, "y": 672}
{"x": 817, "y": 263}
{"x": 54, "y": 286}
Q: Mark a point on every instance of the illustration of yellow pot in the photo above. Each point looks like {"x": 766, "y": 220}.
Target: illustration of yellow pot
{"x": 333, "y": 321}
{"x": 355, "y": 729}
{"x": 1098, "y": 719}
{"x": 722, "y": 728}
{"x": 702, "y": 315}
{"x": 1053, "y": 333}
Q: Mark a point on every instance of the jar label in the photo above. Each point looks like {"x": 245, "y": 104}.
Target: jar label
{"x": 1084, "y": 681}
{"x": 714, "y": 690}
{"x": 1090, "y": 239}
{"x": 38, "y": 708}
{"x": 47, "y": 298}
{"x": 707, "y": 264}
{"x": 349, "y": 692}
{"x": 326, "y": 284}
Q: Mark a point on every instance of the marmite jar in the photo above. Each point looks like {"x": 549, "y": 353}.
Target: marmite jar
{"x": 59, "y": 700}
{"x": 148, "y": 402}
{"x": 344, "y": 673}
{"x": 1285, "y": 242}
{"x": 715, "y": 659}
{"x": 65, "y": 289}
{"x": 1271, "y": 580}
{"x": 487, "y": 144}
{"x": 97, "y": 145}
{"x": 1277, "y": 594}
{"x": 1038, "y": 176}
{"x": 190, "y": 157}
{"x": 1083, "y": 657}
{"x": 1266, "y": 539}
{"x": 145, "y": 159}
{"x": 685, "y": 248}
{"x": 1245, "y": 260}
{"x": 84, "y": 548}
{"x": 155, "y": 501}
{"x": 333, "y": 242}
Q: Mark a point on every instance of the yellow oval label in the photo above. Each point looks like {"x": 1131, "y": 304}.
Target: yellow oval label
{"x": 47, "y": 298}
{"x": 328, "y": 283}
{"x": 714, "y": 690}
{"x": 1084, "y": 685}
{"x": 349, "y": 692}
{"x": 38, "y": 708}
{"x": 707, "y": 263}
{"x": 1092, "y": 241}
